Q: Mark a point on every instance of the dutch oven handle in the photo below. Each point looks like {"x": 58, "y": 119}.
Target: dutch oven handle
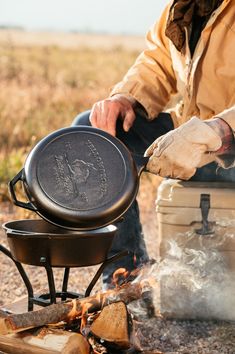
{"x": 12, "y": 183}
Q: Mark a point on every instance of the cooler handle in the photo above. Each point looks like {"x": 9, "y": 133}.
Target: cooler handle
{"x": 205, "y": 208}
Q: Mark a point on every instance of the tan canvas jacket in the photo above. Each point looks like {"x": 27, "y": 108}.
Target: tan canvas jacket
{"x": 204, "y": 83}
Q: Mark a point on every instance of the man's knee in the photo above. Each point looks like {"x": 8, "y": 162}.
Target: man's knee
{"x": 82, "y": 118}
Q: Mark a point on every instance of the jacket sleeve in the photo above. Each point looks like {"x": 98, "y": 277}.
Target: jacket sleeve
{"x": 228, "y": 160}
{"x": 151, "y": 79}
{"x": 228, "y": 116}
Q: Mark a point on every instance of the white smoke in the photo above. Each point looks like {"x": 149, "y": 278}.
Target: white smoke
{"x": 194, "y": 283}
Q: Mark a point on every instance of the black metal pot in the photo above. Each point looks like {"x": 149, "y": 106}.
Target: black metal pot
{"x": 80, "y": 178}
{"x": 37, "y": 242}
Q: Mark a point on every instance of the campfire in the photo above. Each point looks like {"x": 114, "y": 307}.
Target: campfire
{"x": 97, "y": 324}
{"x": 191, "y": 284}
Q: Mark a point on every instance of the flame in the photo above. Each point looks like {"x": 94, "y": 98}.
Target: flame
{"x": 84, "y": 316}
{"x": 119, "y": 276}
{"x": 73, "y": 313}
{"x": 134, "y": 259}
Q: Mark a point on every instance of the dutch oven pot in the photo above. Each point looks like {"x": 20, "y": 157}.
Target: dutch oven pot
{"x": 37, "y": 242}
{"x": 80, "y": 178}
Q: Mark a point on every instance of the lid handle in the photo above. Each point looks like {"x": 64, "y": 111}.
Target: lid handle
{"x": 12, "y": 183}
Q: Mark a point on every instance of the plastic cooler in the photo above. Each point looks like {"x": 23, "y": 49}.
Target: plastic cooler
{"x": 196, "y": 222}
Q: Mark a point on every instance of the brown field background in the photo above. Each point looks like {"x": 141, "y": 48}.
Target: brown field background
{"x": 46, "y": 79}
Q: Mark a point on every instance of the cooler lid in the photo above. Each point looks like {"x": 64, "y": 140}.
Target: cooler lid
{"x": 177, "y": 193}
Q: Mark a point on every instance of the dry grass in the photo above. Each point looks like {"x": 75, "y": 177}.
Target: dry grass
{"x": 43, "y": 87}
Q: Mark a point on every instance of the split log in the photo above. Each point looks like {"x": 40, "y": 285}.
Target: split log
{"x": 114, "y": 325}
{"x": 71, "y": 310}
{"x": 44, "y": 342}
{"x": 12, "y": 345}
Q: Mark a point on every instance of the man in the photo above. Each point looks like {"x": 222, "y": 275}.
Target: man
{"x": 191, "y": 54}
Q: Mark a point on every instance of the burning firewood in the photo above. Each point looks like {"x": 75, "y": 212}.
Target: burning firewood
{"x": 114, "y": 325}
{"x": 71, "y": 310}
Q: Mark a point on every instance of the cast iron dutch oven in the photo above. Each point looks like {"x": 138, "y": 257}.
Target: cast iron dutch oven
{"x": 80, "y": 178}
{"x": 37, "y": 242}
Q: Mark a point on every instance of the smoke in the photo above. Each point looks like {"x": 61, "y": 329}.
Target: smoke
{"x": 194, "y": 283}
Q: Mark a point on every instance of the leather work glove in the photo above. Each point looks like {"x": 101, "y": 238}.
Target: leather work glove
{"x": 180, "y": 152}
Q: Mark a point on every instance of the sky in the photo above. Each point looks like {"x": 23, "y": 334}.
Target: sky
{"x": 107, "y": 16}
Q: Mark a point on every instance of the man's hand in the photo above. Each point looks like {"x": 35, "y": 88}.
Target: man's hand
{"x": 178, "y": 153}
{"x": 104, "y": 114}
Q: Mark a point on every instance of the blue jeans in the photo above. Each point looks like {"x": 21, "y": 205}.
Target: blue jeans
{"x": 130, "y": 235}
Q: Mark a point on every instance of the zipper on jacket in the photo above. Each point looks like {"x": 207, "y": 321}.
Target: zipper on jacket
{"x": 194, "y": 47}
{"x": 190, "y": 65}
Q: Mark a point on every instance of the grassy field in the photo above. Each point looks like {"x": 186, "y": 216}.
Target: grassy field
{"x": 43, "y": 87}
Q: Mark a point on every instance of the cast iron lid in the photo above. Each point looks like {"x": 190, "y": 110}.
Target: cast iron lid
{"x": 80, "y": 178}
